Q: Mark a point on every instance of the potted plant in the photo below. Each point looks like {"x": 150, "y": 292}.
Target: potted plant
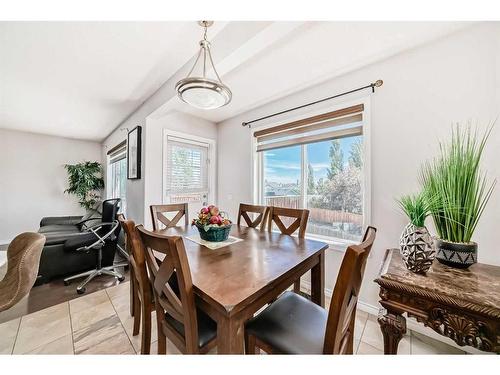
{"x": 459, "y": 192}
{"x": 86, "y": 182}
{"x": 212, "y": 224}
{"x": 416, "y": 245}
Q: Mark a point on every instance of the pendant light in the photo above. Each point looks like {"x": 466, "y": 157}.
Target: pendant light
{"x": 200, "y": 91}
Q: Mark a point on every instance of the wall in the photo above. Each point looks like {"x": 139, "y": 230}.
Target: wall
{"x": 425, "y": 89}
{"x": 33, "y": 179}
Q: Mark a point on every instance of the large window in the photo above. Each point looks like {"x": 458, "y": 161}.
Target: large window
{"x": 117, "y": 175}
{"x": 318, "y": 166}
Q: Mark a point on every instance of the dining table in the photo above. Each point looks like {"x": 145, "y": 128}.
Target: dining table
{"x": 234, "y": 282}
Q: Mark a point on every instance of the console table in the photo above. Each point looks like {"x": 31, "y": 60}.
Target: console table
{"x": 463, "y": 305}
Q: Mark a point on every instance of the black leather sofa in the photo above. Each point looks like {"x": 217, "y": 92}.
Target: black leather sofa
{"x": 65, "y": 234}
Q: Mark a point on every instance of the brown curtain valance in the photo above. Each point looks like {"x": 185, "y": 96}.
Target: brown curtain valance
{"x": 117, "y": 147}
{"x": 341, "y": 123}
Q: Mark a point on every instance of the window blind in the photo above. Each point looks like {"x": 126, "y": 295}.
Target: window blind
{"x": 186, "y": 166}
{"x": 117, "y": 153}
{"x": 342, "y": 123}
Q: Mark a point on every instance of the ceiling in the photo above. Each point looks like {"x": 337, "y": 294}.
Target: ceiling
{"x": 82, "y": 79}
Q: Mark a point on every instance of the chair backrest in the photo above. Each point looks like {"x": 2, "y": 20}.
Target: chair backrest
{"x": 158, "y": 218}
{"x": 110, "y": 208}
{"x": 262, "y": 212}
{"x": 180, "y": 306}
{"x": 23, "y": 259}
{"x": 300, "y": 215}
{"x": 136, "y": 252}
{"x": 339, "y": 333}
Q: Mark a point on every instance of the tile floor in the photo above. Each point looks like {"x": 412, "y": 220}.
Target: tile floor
{"x": 100, "y": 323}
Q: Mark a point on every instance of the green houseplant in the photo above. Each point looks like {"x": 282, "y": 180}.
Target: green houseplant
{"x": 459, "y": 192}
{"x": 416, "y": 245}
{"x": 85, "y": 182}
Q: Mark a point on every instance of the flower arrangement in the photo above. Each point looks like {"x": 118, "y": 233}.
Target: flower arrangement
{"x": 212, "y": 224}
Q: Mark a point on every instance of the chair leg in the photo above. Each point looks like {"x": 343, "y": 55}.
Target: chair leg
{"x": 350, "y": 343}
{"x": 78, "y": 276}
{"x": 146, "y": 328}
{"x": 112, "y": 272}
{"x": 133, "y": 292}
{"x": 80, "y": 289}
{"x": 296, "y": 286}
{"x": 162, "y": 339}
{"x": 137, "y": 318}
{"x": 250, "y": 347}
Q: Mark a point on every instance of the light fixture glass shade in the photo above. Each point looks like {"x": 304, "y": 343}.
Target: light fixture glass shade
{"x": 203, "y": 93}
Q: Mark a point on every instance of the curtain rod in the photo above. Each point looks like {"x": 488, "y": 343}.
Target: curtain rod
{"x": 377, "y": 83}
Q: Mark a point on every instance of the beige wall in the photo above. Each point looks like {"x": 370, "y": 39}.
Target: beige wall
{"x": 426, "y": 89}
{"x": 33, "y": 178}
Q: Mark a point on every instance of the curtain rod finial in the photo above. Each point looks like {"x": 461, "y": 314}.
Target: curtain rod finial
{"x": 379, "y": 83}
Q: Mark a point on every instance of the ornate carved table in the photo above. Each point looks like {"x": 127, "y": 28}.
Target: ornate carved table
{"x": 463, "y": 305}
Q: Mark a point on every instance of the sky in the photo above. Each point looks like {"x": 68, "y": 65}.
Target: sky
{"x": 283, "y": 165}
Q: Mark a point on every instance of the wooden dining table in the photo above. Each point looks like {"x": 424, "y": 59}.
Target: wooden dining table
{"x": 233, "y": 282}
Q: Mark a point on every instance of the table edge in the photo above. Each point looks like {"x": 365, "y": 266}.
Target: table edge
{"x": 488, "y": 311}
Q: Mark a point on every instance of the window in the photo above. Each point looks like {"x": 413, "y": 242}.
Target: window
{"x": 117, "y": 174}
{"x": 186, "y": 177}
{"x": 317, "y": 163}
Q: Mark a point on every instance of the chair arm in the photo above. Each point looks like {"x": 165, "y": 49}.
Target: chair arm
{"x": 91, "y": 239}
{"x": 60, "y": 220}
{"x": 83, "y": 223}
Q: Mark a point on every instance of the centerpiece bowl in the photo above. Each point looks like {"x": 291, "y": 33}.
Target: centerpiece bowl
{"x": 213, "y": 225}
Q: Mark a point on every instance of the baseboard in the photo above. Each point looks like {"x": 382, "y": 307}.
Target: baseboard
{"x": 411, "y": 324}
{"x": 5, "y": 242}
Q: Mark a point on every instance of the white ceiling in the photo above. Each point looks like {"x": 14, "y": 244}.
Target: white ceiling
{"x": 81, "y": 79}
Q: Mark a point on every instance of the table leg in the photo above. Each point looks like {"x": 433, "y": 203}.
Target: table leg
{"x": 318, "y": 281}
{"x": 393, "y": 326}
{"x": 230, "y": 336}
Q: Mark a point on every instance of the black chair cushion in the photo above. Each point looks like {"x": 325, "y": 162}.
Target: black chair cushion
{"x": 291, "y": 325}
{"x": 207, "y": 328}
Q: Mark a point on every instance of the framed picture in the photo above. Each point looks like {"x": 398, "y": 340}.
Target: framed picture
{"x": 134, "y": 153}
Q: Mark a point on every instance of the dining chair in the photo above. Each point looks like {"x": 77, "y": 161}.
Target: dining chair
{"x": 261, "y": 218}
{"x": 141, "y": 296}
{"x": 295, "y": 325}
{"x": 190, "y": 329}
{"x": 289, "y": 214}
{"x": 158, "y": 218}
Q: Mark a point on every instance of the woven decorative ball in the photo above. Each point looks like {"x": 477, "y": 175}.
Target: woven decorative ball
{"x": 214, "y": 234}
{"x": 417, "y": 248}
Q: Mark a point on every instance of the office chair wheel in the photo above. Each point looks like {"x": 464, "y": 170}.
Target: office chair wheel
{"x": 67, "y": 282}
{"x": 121, "y": 278}
{"x": 80, "y": 290}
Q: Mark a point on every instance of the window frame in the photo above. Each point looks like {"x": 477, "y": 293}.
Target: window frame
{"x": 212, "y": 161}
{"x": 258, "y": 170}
